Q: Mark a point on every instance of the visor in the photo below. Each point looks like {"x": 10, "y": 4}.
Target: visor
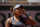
{"x": 16, "y": 6}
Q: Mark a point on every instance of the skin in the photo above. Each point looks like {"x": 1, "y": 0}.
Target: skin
{"x": 16, "y": 15}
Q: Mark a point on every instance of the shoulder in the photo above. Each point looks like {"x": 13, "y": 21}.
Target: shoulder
{"x": 9, "y": 19}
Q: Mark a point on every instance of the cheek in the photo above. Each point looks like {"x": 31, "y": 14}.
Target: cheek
{"x": 18, "y": 13}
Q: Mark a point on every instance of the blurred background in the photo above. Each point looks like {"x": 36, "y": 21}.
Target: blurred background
{"x": 32, "y": 7}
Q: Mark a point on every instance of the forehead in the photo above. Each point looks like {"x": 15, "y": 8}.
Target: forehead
{"x": 17, "y": 9}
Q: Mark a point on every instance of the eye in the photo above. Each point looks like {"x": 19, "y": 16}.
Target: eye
{"x": 16, "y": 10}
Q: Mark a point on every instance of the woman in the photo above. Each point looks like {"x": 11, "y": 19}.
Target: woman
{"x": 20, "y": 18}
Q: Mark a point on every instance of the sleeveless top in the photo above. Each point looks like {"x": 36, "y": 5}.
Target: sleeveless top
{"x": 16, "y": 24}
{"x": 20, "y": 22}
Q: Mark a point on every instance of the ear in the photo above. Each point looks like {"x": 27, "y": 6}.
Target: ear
{"x": 11, "y": 9}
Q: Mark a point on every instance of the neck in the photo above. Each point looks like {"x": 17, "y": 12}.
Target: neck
{"x": 17, "y": 16}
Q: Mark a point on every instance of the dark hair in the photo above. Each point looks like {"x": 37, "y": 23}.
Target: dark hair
{"x": 11, "y": 9}
{"x": 21, "y": 6}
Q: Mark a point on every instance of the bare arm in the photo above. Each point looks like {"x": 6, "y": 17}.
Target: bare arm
{"x": 7, "y": 24}
{"x": 32, "y": 20}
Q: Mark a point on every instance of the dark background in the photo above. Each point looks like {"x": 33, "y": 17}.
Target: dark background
{"x": 24, "y": 7}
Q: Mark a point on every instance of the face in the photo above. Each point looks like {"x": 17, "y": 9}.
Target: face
{"x": 18, "y": 11}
